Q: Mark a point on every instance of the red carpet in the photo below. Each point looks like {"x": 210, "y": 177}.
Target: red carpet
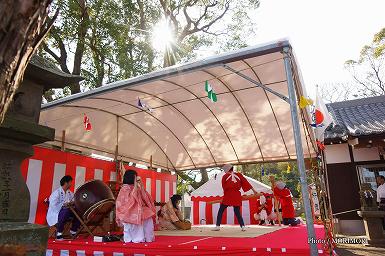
{"x": 288, "y": 241}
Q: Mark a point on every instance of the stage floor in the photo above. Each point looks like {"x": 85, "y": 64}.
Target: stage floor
{"x": 262, "y": 241}
{"x": 226, "y": 231}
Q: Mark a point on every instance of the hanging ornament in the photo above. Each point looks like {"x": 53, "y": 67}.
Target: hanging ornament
{"x": 262, "y": 171}
{"x": 320, "y": 145}
{"x": 210, "y": 92}
{"x": 87, "y": 123}
{"x": 303, "y": 102}
{"x": 144, "y": 106}
{"x": 288, "y": 169}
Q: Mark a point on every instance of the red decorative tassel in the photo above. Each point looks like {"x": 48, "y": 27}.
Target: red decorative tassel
{"x": 320, "y": 145}
{"x": 87, "y": 123}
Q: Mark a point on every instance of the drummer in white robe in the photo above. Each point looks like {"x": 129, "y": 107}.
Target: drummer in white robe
{"x": 58, "y": 212}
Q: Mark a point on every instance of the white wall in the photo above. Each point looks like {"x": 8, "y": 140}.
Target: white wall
{"x": 337, "y": 153}
{"x": 366, "y": 154}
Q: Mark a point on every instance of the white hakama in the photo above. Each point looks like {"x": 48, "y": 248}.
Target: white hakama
{"x": 139, "y": 233}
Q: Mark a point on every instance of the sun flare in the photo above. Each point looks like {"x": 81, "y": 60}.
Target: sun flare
{"x": 162, "y": 36}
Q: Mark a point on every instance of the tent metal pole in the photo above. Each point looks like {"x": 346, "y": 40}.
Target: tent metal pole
{"x": 256, "y": 83}
{"x": 299, "y": 151}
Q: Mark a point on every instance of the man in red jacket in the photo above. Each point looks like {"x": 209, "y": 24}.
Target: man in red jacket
{"x": 232, "y": 183}
{"x": 284, "y": 196}
{"x": 265, "y": 212}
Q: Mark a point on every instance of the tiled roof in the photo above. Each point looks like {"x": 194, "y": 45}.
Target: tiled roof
{"x": 45, "y": 72}
{"x": 357, "y": 117}
{"x": 49, "y": 66}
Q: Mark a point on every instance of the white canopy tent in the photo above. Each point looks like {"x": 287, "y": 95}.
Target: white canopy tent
{"x": 256, "y": 117}
{"x": 186, "y": 130}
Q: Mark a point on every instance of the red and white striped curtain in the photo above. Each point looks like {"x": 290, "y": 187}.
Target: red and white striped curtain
{"x": 43, "y": 171}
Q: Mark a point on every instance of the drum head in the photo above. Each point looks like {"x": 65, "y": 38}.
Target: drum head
{"x": 90, "y": 195}
{"x": 96, "y": 213}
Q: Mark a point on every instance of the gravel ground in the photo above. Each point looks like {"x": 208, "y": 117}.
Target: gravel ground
{"x": 359, "y": 250}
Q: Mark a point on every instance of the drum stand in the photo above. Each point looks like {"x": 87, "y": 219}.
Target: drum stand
{"x": 85, "y": 224}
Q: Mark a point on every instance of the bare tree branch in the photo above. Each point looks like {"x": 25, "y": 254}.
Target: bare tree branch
{"x": 192, "y": 26}
{"x": 334, "y": 92}
{"x": 371, "y": 76}
{"x": 62, "y": 59}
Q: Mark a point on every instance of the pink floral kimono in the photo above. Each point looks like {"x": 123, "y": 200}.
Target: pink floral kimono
{"x": 134, "y": 211}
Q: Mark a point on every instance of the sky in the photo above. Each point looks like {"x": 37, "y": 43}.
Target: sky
{"x": 324, "y": 34}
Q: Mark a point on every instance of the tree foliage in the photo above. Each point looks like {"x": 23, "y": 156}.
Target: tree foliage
{"x": 102, "y": 40}
{"x": 109, "y": 40}
{"x": 279, "y": 171}
{"x": 190, "y": 178}
{"x": 379, "y": 41}
{"x": 368, "y": 70}
{"x": 194, "y": 179}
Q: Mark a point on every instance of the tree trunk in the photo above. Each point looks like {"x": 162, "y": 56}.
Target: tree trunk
{"x": 169, "y": 57}
{"x": 205, "y": 176}
{"x": 100, "y": 71}
{"x": 82, "y": 32}
{"x": 23, "y": 25}
{"x": 193, "y": 182}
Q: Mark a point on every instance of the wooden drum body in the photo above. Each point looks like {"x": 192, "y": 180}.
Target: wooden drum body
{"x": 93, "y": 200}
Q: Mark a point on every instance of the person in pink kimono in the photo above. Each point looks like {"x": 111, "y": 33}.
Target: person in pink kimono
{"x": 170, "y": 215}
{"x": 135, "y": 210}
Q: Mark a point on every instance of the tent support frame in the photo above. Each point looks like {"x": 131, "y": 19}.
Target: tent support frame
{"x": 256, "y": 83}
{"x": 271, "y": 106}
{"x": 299, "y": 151}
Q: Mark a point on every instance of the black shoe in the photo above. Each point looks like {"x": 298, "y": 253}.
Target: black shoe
{"x": 262, "y": 222}
{"x": 272, "y": 222}
{"x": 59, "y": 237}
